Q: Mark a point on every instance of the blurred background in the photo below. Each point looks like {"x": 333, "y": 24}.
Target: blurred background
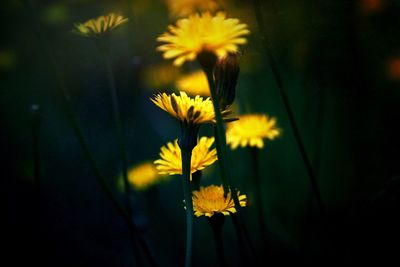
{"x": 340, "y": 63}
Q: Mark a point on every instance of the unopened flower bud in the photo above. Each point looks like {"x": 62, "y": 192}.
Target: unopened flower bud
{"x": 226, "y": 74}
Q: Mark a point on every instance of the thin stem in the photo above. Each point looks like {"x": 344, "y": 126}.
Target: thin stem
{"x": 285, "y": 100}
{"x": 217, "y": 232}
{"x": 36, "y": 154}
{"x": 67, "y": 105}
{"x": 258, "y": 194}
{"x": 118, "y": 127}
{"x": 219, "y": 132}
{"x": 220, "y": 140}
{"x": 196, "y": 178}
{"x": 187, "y": 191}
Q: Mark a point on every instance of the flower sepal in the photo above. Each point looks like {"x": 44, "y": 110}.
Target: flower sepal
{"x": 188, "y": 137}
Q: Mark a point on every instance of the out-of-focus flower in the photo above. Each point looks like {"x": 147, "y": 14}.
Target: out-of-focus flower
{"x": 372, "y": 6}
{"x": 202, "y": 33}
{"x": 160, "y": 75}
{"x": 57, "y": 13}
{"x": 183, "y": 8}
{"x": 171, "y": 161}
{"x": 393, "y": 68}
{"x": 210, "y": 200}
{"x": 8, "y": 59}
{"x": 100, "y": 26}
{"x": 194, "y": 84}
{"x": 250, "y": 130}
{"x": 189, "y": 111}
{"x": 144, "y": 175}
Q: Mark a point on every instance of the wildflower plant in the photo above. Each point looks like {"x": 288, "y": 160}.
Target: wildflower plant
{"x": 210, "y": 200}
{"x": 191, "y": 113}
{"x": 144, "y": 175}
{"x": 171, "y": 158}
{"x": 251, "y": 130}
{"x": 202, "y": 32}
{"x": 100, "y": 26}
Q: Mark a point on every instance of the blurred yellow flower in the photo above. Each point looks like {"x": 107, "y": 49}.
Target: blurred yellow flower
{"x": 182, "y": 8}
{"x": 171, "y": 161}
{"x": 99, "y": 26}
{"x": 160, "y": 75}
{"x": 195, "y": 83}
{"x": 144, "y": 175}
{"x": 202, "y": 32}
{"x": 210, "y": 200}
{"x": 190, "y": 111}
{"x": 250, "y": 130}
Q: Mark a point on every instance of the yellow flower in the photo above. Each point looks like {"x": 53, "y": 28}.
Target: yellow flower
{"x": 182, "y": 8}
{"x": 194, "y": 84}
{"x": 100, "y": 25}
{"x": 188, "y": 110}
{"x": 144, "y": 175}
{"x": 202, "y": 32}
{"x": 210, "y": 200}
{"x": 160, "y": 75}
{"x": 171, "y": 161}
{"x": 250, "y": 130}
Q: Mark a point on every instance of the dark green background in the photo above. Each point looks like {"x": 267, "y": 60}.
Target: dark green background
{"x": 333, "y": 56}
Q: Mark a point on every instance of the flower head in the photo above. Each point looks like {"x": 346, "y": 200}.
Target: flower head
{"x": 99, "y": 26}
{"x": 194, "y": 84}
{"x": 250, "y": 130}
{"x": 144, "y": 175}
{"x": 171, "y": 161}
{"x": 182, "y": 8}
{"x": 190, "y": 111}
{"x": 202, "y": 33}
{"x": 210, "y": 200}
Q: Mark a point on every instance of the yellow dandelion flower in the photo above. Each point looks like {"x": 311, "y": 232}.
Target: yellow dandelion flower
{"x": 202, "y": 32}
{"x": 210, "y": 200}
{"x": 182, "y": 8}
{"x": 100, "y": 25}
{"x": 250, "y": 130}
{"x": 188, "y": 110}
{"x": 171, "y": 161}
{"x": 144, "y": 175}
{"x": 194, "y": 84}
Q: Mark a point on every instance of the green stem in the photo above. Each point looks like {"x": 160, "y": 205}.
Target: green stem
{"x": 219, "y": 132}
{"x": 220, "y": 140}
{"x": 67, "y": 105}
{"x": 118, "y": 127}
{"x": 258, "y": 194}
{"x": 196, "y": 178}
{"x": 285, "y": 100}
{"x": 187, "y": 191}
{"x": 217, "y": 232}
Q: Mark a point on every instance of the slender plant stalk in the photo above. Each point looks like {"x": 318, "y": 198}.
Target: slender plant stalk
{"x": 217, "y": 232}
{"x": 285, "y": 100}
{"x": 242, "y": 249}
{"x": 187, "y": 191}
{"x": 36, "y": 154}
{"x": 196, "y": 178}
{"x": 258, "y": 194}
{"x": 220, "y": 140}
{"x": 118, "y": 125}
{"x": 219, "y": 132}
{"x": 134, "y": 235}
